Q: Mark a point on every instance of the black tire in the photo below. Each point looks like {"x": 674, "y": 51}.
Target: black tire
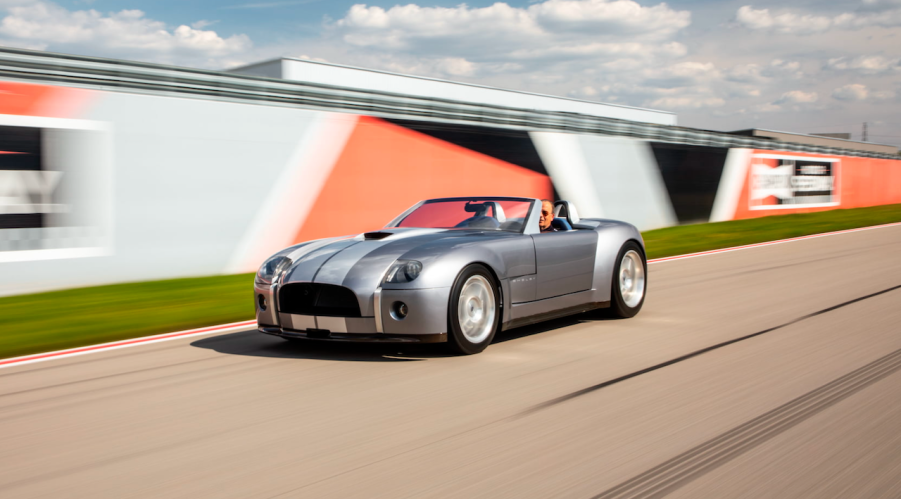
{"x": 456, "y": 340}
{"x": 618, "y": 305}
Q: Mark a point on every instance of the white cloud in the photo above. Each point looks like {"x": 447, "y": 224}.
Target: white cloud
{"x": 584, "y": 92}
{"x": 852, "y": 92}
{"x": 785, "y": 69}
{"x": 746, "y": 73}
{"x": 686, "y": 102}
{"x": 866, "y": 64}
{"x": 203, "y": 23}
{"x": 782, "y": 23}
{"x": 888, "y": 14}
{"x": 686, "y": 71}
{"x": 309, "y": 58}
{"x": 859, "y": 92}
{"x": 479, "y": 40}
{"x": 755, "y": 73}
{"x": 456, "y": 66}
{"x": 616, "y": 17}
{"x": 127, "y": 33}
{"x": 798, "y": 97}
{"x": 768, "y": 107}
{"x": 402, "y": 24}
{"x": 883, "y": 95}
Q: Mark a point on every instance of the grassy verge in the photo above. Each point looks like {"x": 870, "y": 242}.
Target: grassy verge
{"x": 703, "y": 237}
{"x": 77, "y": 317}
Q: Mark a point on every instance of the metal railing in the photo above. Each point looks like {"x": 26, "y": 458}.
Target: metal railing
{"x": 154, "y": 79}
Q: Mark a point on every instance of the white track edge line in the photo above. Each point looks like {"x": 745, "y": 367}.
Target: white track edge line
{"x": 236, "y": 326}
{"x": 116, "y": 345}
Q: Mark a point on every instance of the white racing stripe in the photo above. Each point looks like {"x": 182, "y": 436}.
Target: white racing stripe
{"x": 335, "y": 270}
{"x": 238, "y": 326}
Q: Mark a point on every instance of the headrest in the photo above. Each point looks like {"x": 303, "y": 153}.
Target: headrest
{"x": 560, "y": 224}
{"x": 566, "y": 210}
{"x": 498, "y": 211}
{"x": 481, "y": 210}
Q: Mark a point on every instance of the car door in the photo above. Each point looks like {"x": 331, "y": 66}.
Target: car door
{"x": 564, "y": 261}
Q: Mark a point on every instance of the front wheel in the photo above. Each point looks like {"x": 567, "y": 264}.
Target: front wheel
{"x": 629, "y": 281}
{"x": 473, "y": 311}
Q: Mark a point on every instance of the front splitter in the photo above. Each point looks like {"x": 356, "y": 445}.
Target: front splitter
{"x": 322, "y": 335}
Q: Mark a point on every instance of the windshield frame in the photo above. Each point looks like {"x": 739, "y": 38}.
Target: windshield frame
{"x": 525, "y": 225}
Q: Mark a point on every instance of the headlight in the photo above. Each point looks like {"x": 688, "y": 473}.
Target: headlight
{"x": 403, "y": 271}
{"x": 272, "y": 268}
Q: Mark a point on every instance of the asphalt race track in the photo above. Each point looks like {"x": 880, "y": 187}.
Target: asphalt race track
{"x": 807, "y": 402}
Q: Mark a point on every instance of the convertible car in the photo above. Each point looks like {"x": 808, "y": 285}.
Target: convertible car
{"x": 455, "y": 270}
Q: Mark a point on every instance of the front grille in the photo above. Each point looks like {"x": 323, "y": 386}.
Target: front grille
{"x": 310, "y": 298}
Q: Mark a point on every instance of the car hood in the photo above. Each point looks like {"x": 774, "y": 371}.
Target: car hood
{"x": 360, "y": 262}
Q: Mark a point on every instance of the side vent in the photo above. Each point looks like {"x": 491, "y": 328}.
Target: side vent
{"x": 376, "y": 235}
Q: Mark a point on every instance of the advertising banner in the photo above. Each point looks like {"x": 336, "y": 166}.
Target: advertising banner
{"x": 780, "y": 181}
{"x": 54, "y": 188}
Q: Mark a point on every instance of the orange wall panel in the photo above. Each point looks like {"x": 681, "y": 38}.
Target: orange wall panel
{"x": 385, "y": 168}
{"x": 860, "y": 182}
{"x": 26, "y": 99}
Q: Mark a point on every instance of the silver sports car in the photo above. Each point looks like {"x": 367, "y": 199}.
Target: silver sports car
{"x": 453, "y": 270}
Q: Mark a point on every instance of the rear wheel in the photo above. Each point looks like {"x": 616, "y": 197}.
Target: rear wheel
{"x": 629, "y": 281}
{"x": 473, "y": 311}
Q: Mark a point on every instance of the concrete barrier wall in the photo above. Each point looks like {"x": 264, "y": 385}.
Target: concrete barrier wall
{"x": 102, "y": 187}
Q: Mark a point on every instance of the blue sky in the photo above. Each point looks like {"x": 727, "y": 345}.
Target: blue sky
{"x": 807, "y": 66}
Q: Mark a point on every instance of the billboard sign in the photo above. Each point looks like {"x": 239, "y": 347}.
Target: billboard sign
{"x": 781, "y": 181}
{"x": 55, "y": 188}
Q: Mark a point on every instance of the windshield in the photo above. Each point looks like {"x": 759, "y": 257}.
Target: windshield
{"x": 474, "y": 213}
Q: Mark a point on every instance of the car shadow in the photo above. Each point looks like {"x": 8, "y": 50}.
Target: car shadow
{"x": 255, "y": 344}
{"x": 551, "y": 325}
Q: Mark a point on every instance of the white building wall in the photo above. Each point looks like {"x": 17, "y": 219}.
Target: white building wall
{"x": 607, "y": 177}
{"x": 333, "y": 74}
{"x": 183, "y": 181}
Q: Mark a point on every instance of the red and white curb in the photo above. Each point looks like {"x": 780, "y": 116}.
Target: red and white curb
{"x": 238, "y": 326}
{"x": 103, "y": 347}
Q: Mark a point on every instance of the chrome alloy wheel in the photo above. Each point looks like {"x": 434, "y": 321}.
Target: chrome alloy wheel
{"x": 631, "y": 279}
{"x": 476, "y": 309}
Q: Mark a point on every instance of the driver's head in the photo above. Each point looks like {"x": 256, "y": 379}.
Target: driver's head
{"x": 547, "y": 214}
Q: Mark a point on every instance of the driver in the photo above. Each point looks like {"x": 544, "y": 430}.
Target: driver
{"x": 547, "y": 216}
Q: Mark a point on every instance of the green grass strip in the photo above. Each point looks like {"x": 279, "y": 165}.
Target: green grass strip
{"x": 685, "y": 239}
{"x": 77, "y": 317}
{"x": 72, "y": 318}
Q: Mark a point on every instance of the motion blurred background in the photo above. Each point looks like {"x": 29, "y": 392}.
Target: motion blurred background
{"x": 149, "y": 164}
{"x": 150, "y": 160}
{"x": 115, "y": 171}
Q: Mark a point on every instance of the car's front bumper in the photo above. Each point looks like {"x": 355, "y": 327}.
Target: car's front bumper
{"x": 426, "y": 321}
{"x": 321, "y": 335}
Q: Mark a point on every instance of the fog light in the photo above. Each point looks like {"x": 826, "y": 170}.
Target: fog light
{"x": 261, "y": 300}
{"x": 399, "y": 310}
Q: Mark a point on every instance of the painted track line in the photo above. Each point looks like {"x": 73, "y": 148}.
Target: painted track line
{"x": 237, "y": 326}
{"x": 103, "y": 347}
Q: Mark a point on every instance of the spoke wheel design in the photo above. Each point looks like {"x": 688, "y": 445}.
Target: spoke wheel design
{"x": 630, "y": 281}
{"x": 476, "y": 309}
{"x": 631, "y": 278}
